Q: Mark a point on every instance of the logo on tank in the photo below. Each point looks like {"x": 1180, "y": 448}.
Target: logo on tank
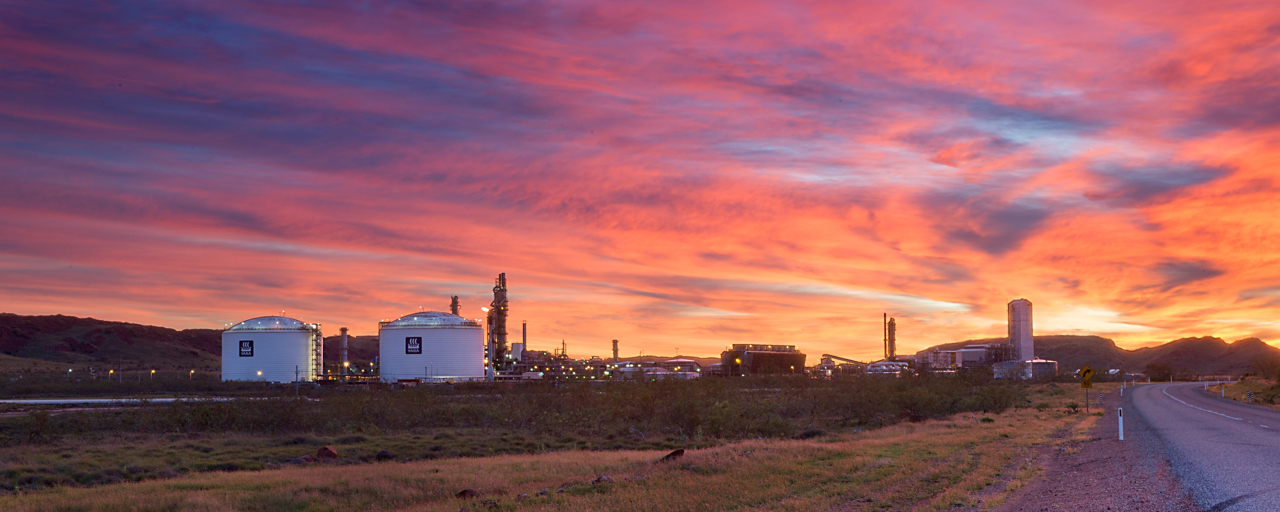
{"x": 246, "y": 348}
{"x": 413, "y": 345}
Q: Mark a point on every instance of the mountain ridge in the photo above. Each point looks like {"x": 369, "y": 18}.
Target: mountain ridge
{"x": 1198, "y": 355}
{"x": 40, "y": 342}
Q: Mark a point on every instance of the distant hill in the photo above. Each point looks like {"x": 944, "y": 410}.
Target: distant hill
{"x": 1205, "y": 355}
{"x": 55, "y": 342}
{"x": 70, "y": 340}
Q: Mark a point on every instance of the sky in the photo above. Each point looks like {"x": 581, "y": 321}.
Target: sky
{"x": 676, "y": 175}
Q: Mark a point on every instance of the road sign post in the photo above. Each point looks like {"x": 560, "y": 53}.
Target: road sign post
{"x": 1120, "y": 414}
{"x": 1086, "y": 382}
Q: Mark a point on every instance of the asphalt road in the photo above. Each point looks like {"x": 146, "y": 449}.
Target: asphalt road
{"x": 1225, "y": 453}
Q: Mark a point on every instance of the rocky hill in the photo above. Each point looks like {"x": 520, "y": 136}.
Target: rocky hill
{"x": 1204, "y": 355}
{"x": 33, "y": 341}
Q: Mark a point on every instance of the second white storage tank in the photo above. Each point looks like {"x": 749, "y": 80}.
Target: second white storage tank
{"x": 431, "y": 345}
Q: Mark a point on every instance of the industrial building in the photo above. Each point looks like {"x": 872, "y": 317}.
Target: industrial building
{"x": 671, "y": 369}
{"x": 431, "y": 345}
{"x": 1026, "y": 370}
{"x": 889, "y": 368}
{"x": 969, "y": 356}
{"x": 543, "y": 365}
{"x": 747, "y": 359}
{"x": 272, "y": 349}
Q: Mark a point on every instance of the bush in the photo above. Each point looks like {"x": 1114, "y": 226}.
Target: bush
{"x": 1158, "y": 371}
{"x": 718, "y": 408}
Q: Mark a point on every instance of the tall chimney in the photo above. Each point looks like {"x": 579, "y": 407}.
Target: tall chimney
{"x": 893, "y": 341}
{"x": 615, "y": 351}
{"x": 886, "y": 335}
{"x": 344, "y": 350}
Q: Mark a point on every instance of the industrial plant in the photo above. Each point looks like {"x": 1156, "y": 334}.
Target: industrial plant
{"x": 1014, "y": 359}
{"x": 743, "y": 360}
{"x": 438, "y": 347}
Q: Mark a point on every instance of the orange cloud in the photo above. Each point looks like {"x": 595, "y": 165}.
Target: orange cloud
{"x": 666, "y": 174}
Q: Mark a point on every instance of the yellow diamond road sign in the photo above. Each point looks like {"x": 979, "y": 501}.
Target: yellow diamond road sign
{"x": 1086, "y": 374}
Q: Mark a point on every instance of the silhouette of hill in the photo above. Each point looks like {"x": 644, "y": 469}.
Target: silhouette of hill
{"x": 71, "y": 340}
{"x": 53, "y": 342}
{"x": 1210, "y": 355}
{"x": 1204, "y": 355}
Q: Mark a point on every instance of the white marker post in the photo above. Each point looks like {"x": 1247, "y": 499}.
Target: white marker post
{"x": 1120, "y": 414}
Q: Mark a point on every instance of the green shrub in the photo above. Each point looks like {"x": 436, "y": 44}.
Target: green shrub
{"x": 679, "y": 410}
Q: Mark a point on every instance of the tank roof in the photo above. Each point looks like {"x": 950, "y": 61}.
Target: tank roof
{"x": 272, "y": 323}
{"x": 432, "y": 319}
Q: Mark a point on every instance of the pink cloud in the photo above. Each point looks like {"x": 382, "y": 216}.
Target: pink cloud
{"x": 663, "y": 173}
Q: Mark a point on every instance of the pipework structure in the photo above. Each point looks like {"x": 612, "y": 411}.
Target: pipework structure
{"x": 497, "y": 326}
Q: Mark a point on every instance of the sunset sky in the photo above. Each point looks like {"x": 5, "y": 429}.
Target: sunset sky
{"x": 684, "y": 174}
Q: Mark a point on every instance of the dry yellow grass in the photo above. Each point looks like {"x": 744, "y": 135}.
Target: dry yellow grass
{"x": 933, "y": 465}
{"x": 1239, "y": 391}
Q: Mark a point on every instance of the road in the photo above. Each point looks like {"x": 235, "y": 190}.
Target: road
{"x": 1225, "y": 453}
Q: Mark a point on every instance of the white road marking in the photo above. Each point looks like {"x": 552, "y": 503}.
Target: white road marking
{"x": 1166, "y": 393}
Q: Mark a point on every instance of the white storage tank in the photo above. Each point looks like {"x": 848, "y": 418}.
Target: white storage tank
{"x": 431, "y": 345}
{"x": 1020, "y": 333}
{"x": 272, "y": 349}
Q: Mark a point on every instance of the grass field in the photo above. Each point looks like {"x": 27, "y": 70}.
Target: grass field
{"x": 10, "y": 363}
{"x": 964, "y": 461}
{"x": 113, "y": 459}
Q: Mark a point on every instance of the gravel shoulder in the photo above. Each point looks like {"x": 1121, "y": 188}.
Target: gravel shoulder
{"x": 1097, "y": 471}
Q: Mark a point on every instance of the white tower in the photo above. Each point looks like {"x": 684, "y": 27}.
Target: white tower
{"x": 1020, "y": 330}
